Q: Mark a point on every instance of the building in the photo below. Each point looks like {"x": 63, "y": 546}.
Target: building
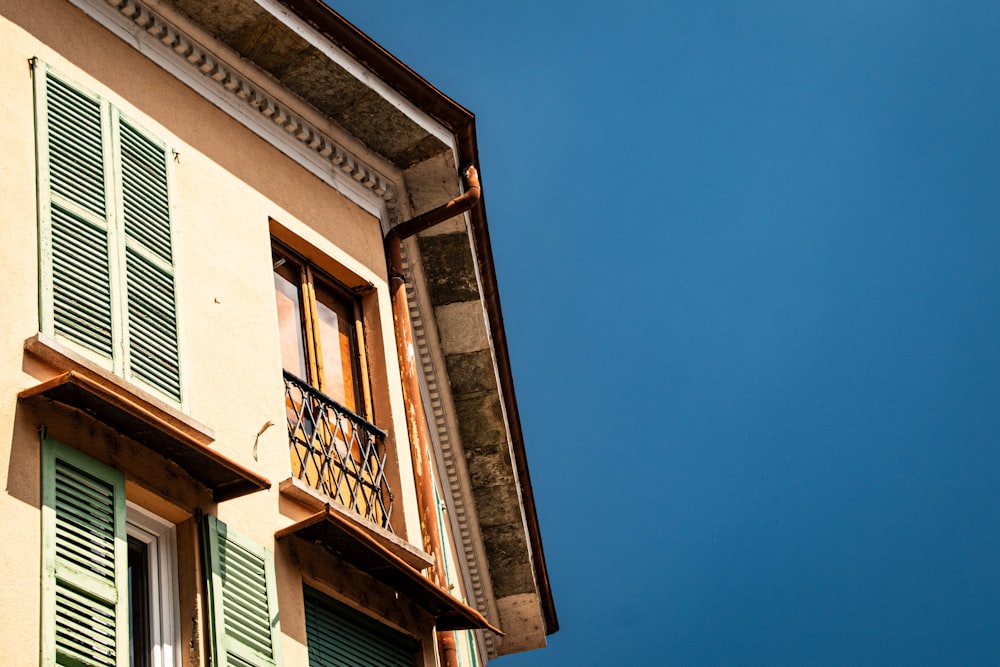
{"x": 256, "y": 406}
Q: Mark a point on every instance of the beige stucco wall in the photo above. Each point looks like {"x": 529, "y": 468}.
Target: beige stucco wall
{"x": 228, "y": 187}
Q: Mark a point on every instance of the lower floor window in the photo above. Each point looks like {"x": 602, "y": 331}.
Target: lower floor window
{"x": 110, "y": 577}
{"x": 151, "y": 589}
{"x": 139, "y": 641}
{"x": 339, "y": 636}
{"x": 109, "y": 569}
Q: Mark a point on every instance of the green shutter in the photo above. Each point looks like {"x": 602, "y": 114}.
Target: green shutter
{"x": 106, "y": 258}
{"x": 85, "y": 561}
{"x": 244, "y": 603}
{"x": 339, "y": 636}
{"x": 75, "y": 209}
{"x": 152, "y": 311}
{"x": 76, "y": 146}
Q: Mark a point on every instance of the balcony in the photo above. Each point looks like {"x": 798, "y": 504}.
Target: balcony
{"x": 337, "y": 453}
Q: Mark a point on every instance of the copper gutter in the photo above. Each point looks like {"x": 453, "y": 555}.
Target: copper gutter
{"x": 462, "y": 123}
{"x": 416, "y": 422}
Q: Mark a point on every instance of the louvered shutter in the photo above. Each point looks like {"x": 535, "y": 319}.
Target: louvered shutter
{"x": 338, "y": 636}
{"x": 75, "y": 216}
{"x": 85, "y": 621}
{"x": 244, "y": 603}
{"x": 107, "y": 262}
{"x": 151, "y": 321}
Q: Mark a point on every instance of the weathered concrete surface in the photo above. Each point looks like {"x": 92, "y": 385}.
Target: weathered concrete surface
{"x": 453, "y": 289}
{"x": 270, "y": 45}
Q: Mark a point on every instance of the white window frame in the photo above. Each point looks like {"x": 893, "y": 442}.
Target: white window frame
{"x": 160, "y": 538}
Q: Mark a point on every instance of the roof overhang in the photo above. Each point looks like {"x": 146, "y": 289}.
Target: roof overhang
{"x": 459, "y": 278}
{"x": 356, "y": 546}
{"x": 141, "y": 418}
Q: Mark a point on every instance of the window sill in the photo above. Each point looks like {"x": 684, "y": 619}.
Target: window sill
{"x": 82, "y": 385}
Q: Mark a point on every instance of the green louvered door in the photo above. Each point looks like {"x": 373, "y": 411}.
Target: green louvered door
{"x": 75, "y": 201}
{"x": 105, "y": 230}
{"x": 151, "y": 315}
{"x": 244, "y": 607}
{"x": 85, "y": 621}
{"x": 338, "y": 636}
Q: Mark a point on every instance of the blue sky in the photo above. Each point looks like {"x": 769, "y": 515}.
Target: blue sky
{"x": 749, "y": 263}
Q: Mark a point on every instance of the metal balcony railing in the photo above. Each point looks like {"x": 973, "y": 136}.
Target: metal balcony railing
{"x": 337, "y": 452}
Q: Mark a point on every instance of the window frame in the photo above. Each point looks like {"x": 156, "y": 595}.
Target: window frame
{"x": 309, "y": 276}
{"x": 160, "y": 538}
{"x": 121, "y": 246}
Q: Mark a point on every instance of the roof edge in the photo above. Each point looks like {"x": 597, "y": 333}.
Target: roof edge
{"x": 386, "y": 66}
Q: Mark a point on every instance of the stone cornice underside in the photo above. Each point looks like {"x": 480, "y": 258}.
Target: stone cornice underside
{"x": 169, "y": 45}
{"x": 460, "y": 495}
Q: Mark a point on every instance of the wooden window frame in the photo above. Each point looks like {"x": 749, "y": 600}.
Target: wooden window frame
{"x": 309, "y": 275}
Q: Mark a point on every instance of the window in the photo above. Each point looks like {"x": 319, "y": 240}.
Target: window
{"x": 152, "y": 589}
{"x": 107, "y": 272}
{"x": 108, "y": 569}
{"x": 338, "y": 636}
{"x": 334, "y": 448}
{"x": 109, "y": 577}
{"x": 320, "y": 324}
{"x": 140, "y": 640}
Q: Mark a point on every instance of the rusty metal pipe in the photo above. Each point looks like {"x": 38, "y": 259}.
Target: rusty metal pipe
{"x": 456, "y": 206}
{"x": 416, "y": 422}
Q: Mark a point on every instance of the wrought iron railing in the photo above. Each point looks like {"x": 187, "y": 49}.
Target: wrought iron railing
{"x": 337, "y": 452}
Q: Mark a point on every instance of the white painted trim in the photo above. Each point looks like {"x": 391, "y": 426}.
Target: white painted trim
{"x": 160, "y": 537}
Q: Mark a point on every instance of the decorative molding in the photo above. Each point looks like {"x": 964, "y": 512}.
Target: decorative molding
{"x": 235, "y": 89}
{"x": 459, "y": 497}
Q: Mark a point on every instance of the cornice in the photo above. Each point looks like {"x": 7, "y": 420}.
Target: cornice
{"x": 244, "y": 92}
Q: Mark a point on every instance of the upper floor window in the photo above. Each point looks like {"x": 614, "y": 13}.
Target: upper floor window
{"x": 106, "y": 258}
{"x": 334, "y": 447}
{"x": 320, "y": 325}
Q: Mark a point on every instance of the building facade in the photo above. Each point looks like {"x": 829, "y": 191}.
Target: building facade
{"x": 257, "y": 407}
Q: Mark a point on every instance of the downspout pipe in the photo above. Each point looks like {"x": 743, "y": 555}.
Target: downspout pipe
{"x": 456, "y": 206}
{"x": 416, "y": 422}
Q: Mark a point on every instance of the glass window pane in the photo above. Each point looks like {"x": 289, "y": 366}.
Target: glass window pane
{"x": 286, "y": 292}
{"x": 336, "y": 338}
{"x": 140, "y": 642}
